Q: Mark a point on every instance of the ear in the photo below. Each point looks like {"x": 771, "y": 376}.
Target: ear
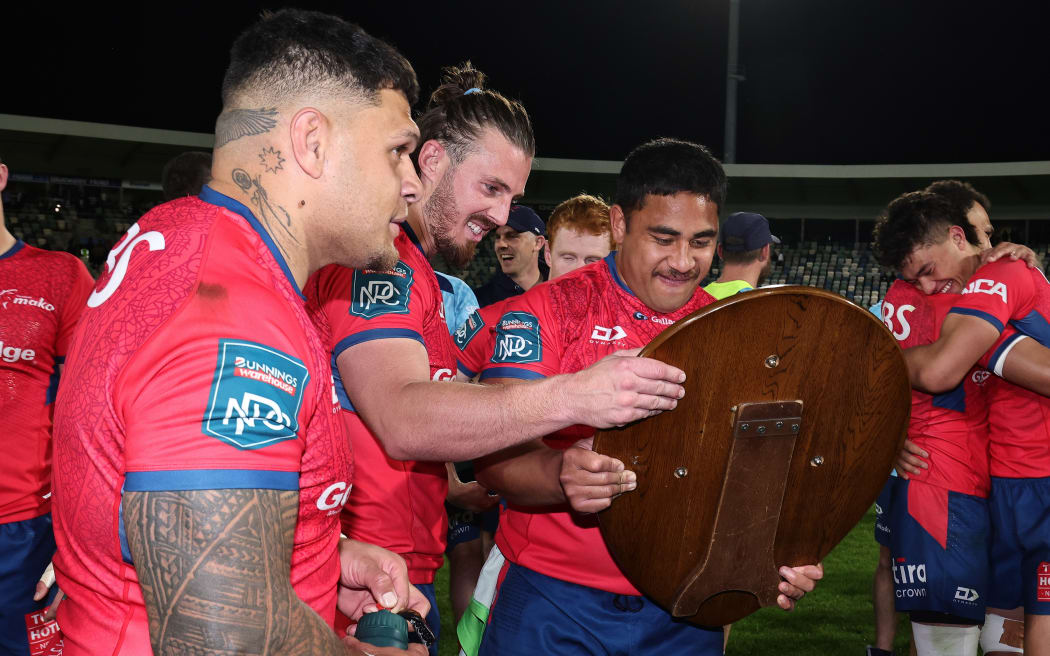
{"x": 433, "y": 161}
{"x": 764, "y": 255}
{"x": 618, "y": 222}
{"x": 547, "y": 253}
{"x": 958, "y": 237}
{"x": 3, "y": 176}
{"x": 540, "y": 242}
{"x": 718, "y": 249}
{"x": 311, "y": 136}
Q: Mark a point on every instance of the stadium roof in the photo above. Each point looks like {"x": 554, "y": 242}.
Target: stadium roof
{"x": 1019, "y": 190}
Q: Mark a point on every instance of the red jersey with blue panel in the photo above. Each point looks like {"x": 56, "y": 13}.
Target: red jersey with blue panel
{"x": 195, "y": 367}
{"x": 395, "y": 504}
{"x": 42, "y": 294}
{"x": 938, "y": 522}
{"x": 476, "y": 337}
{"x": 1009, "y": 293}
{"x": 563, "y": 326}
{"x": 1005, "y": 294}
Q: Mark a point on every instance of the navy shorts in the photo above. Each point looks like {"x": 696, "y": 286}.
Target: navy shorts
{"x": 883, "y": 506}
{"x": 536, "y": 614}
{"x": 467, "y": 525}
{"x": 951, "y": 579}
{"x": 26, "y": 548}
{"x": 1020, "y": 514}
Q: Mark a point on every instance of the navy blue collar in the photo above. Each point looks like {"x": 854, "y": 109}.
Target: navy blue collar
{"x": 610, "y": 261}
{"x": 209, "y": 195}
{"x": 19, "y": 244}
{"x": 413, "y": 238}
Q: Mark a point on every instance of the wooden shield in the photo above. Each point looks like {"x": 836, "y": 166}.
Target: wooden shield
{"x": 796, "y": 404}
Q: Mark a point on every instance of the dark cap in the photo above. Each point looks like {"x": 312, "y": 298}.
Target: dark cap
{"x": 745, "y": 231}
{"x": 523, "y": 219}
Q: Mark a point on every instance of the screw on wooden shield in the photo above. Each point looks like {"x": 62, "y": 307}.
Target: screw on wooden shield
{"x": 681, "y": 472}
{"x": 772, "y": 361}
{"x": 817, "y": 461}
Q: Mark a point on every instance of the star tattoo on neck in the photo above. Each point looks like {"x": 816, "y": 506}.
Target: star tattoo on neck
{"x": 271, "y": 159}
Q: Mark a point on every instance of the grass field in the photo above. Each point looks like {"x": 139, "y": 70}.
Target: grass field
{"x": 834, "y": 619}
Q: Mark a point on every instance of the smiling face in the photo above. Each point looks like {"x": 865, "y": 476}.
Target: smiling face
{"x": 472, "y": 197}
{"x": 982, "y": 223}
{"x": 666, "y": 247}
{"x": 516, "y": 252}
{"x": 573, "y": 249}
{"x": 942, "y": 267}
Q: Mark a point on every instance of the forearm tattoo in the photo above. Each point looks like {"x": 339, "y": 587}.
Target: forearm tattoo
{"x": 236, "y": 123}
{"x": 214, "y": 569}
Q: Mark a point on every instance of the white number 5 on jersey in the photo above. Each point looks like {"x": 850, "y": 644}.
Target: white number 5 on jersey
{"x": 118, "y": 268}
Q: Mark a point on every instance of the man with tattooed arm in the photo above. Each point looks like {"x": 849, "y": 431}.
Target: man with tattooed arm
{"x": 200, "y": 461}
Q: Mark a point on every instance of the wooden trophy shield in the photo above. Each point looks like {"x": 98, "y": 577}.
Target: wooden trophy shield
{"x": 796, "y": 404}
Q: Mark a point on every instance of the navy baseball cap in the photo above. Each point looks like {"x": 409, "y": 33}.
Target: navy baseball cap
{"x": 523, "y": 219}
{"x": 745, "y": 231}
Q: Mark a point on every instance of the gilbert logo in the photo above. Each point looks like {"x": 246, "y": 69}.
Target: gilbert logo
{"x": 12, "y": 297}
{"x": 980, "y": 376}
{"x": 603, "y": 334}
{"x": 334, "y": 496}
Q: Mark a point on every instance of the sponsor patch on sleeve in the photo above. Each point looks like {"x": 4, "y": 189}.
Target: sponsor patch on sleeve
{"x": 256, "y": 395}
{"x": 375, "y": 293}
{"x": 472, "y": 326}
{"x": 518, "y": 339}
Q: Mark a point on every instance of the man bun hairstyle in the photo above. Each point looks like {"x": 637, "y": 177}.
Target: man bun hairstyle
{"x": 462, "y": 108}
{"x": 292, "y": 51}
{"x": 665, "y": 167}
{"x": 913, "y": 220}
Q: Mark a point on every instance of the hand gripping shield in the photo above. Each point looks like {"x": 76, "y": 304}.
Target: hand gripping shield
{"x": 797, "y": 402}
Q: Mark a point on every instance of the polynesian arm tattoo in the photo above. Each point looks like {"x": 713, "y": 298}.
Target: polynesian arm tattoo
{"x": 236, "y": 123}
{"x": 276, "y": 219}
{"x": 214, "y": 569}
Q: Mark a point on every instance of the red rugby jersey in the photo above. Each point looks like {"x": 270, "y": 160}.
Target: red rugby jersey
{"x": 398, "y": 505}
{"x": 42, "y": 294}
{"x": 195, "y": 367}
{"x": 1011, "y": 294}
{"x": 953, "y": 426}
{"x": 563, "y": 326}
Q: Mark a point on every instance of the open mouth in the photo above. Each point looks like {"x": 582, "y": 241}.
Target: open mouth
{"x": 946, "y": 288}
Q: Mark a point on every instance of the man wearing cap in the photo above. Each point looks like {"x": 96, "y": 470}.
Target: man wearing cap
{"x": 518, "y": 245}
{"x": 743, "y": 247}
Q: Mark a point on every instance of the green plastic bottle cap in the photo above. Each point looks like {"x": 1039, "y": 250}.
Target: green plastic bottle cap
{"x": 383, "y": 629}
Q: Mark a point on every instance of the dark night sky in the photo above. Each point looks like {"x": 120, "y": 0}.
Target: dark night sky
{"x": 828, "y": 81}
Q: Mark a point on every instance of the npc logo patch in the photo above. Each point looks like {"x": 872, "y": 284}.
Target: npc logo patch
{"x": 518, "y": 339}
{"x": 256, "y": 395}
{"x": 381, "y": 292}
{"x": 472, "y": 326}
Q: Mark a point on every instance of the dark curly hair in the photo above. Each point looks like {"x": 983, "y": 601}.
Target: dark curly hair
{"x": 913, "y": 220}
{"x": 664, "y": 167}
{"x": 960, "y": 193}
{"x": 292, "y": 51}
{"x": 461, "y": 108}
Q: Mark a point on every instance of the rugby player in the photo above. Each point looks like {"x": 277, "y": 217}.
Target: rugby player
{"x": 42, "y": 294}
{"x": 397, "y": 362}
{"x": 578, "y": 234}
{"x": 200, "y": 465}
{"x": 561, "y": 585}
{"x": 928, "y": 240}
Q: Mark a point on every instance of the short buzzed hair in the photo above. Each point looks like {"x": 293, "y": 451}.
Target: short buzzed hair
{"x": 292, "y": 51}
{"x": 665, "y": 167}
